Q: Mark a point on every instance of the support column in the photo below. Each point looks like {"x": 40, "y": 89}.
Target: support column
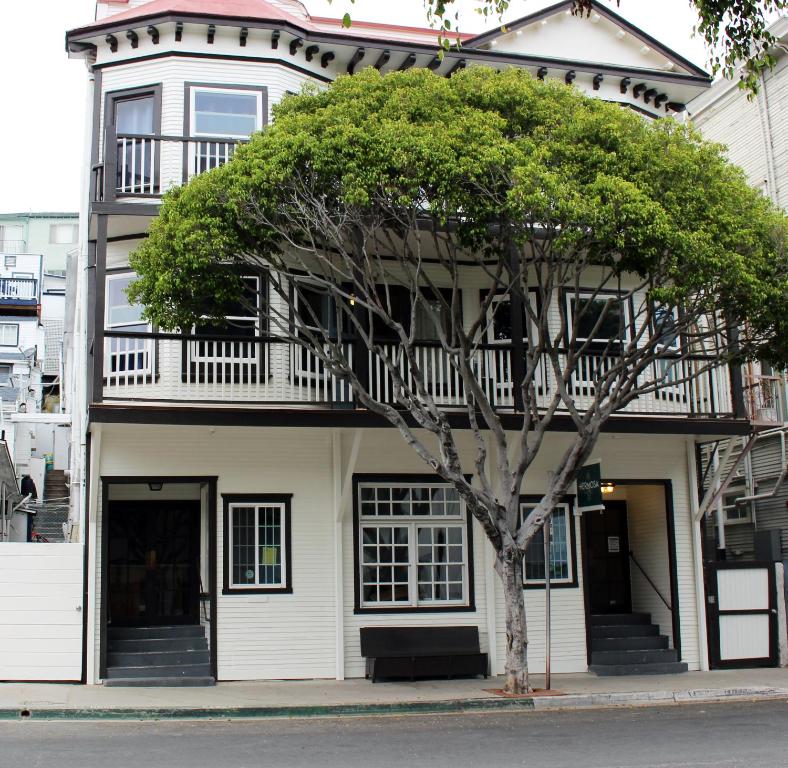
{"x": 97, "y": 317}
{"x": 91, "y": 517}
{"x": 697, "y": 558}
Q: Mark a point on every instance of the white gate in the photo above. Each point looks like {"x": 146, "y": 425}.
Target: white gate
{"x": 742, "y": 614}
{"x": 41, "y": 611}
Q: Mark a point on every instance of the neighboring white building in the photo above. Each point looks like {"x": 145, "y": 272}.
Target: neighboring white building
{"x": 752, "y": 518}
{"x": 184, "y": 468}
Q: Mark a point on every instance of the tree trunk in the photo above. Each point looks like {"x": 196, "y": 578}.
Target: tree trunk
{"x": 511, "y": 565}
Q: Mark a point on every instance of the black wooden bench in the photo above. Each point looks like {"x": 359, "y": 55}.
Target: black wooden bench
{"x": 411, "y": 652}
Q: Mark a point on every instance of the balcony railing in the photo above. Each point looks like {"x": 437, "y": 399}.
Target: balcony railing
{"x": 763, "y": 398}
{"x": 13, "y": 246}
{"x": 189, "y": 370}
{"x": 16, "y": 289}
{"x": 146, "y": 166}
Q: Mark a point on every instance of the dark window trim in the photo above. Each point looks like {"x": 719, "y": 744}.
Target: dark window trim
{"x": 569, "y": 500}
{"x": 406, "y": 478}
{"x": 16, "y": 325}
{"x": 187, "y": 112}
{"x": 110, "y": 99}
{"x": 257, "y": 498}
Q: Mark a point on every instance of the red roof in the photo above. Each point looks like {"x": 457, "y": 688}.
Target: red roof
{"x": 231, "y": 9}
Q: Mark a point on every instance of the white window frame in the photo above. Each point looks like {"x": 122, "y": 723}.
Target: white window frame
{"x": 55, "y": 228}
{"x": 571, "y": 297}
{"x": 413, "y": 523}
{"x": 565, "y": 508}
{"x": 728, "y": 506}
{"x": 3, "y": 327}
{"x": 143, "y": 345}
{"x": 284, "y": 544}
{"x": 194, "y": 89}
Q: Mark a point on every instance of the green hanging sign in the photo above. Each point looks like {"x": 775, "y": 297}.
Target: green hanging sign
{"x": 589, "y": 488}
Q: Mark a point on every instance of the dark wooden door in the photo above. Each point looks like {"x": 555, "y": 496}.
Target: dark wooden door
{"x": 608, "y": 559}
{"x": 154, "y": 557}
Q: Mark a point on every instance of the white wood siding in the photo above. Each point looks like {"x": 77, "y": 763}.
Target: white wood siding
{"x": 41, "y": 611}
{"x": 648, "y": 540}
{"x": 294, "y": 635}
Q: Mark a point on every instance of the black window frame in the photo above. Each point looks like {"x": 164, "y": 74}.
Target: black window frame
{"x": 284, "y": 499}
{"x": 574, "y": 583}
{"x": 15, "y": 325}
{"x": 358, "y": 608}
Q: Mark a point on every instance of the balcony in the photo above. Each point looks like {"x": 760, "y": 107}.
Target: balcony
{"x": 13, "y": 247}
{"x": 171, "y": 369}
{"x": 18, "y": 291}
{"x": 139, "y": 167}
{"x": 763, "y": 396}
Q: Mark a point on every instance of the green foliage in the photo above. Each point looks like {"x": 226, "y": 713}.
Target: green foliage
{"x": 481, "y": 150}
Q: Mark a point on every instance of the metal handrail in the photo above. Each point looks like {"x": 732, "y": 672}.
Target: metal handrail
{"x": 648, "y": 579}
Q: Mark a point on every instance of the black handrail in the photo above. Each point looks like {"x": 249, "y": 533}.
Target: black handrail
{"x": 653, "y": 585}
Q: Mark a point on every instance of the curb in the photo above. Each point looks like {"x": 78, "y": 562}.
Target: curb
{"x": 455, "y": 706}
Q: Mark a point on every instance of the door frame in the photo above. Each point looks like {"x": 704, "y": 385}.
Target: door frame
{"x": 211, "y": 483}
{"x": 670, "y": 526}
{"x": 713, "y": 614}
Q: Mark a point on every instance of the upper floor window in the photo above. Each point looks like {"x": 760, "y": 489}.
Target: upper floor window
{"x": 599, "y": 318}
{"x": 225, "y": 112}
{"x": 62, "y": 234}
{"x": 9, "y": 334}
{"x": 125, "y": 354}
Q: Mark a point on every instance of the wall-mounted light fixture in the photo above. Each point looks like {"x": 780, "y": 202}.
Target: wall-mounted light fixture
{"x": 155, "y": 486}
{"x": 607, "y": 486}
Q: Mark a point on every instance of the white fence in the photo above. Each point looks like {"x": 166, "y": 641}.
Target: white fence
{"x": 41, "y": 611}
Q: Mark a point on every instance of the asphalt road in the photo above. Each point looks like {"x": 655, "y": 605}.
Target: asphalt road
{"x": 692, "y": 736}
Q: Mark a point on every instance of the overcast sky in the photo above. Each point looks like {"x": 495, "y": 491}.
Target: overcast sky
{"x": 43, "y": 92}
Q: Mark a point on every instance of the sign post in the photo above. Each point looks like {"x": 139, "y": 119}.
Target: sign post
{"x": 589, "y": 488}
{"x": 547, "y": 533}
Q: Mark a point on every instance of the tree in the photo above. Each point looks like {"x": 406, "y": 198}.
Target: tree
{"x": 623, "y": 253}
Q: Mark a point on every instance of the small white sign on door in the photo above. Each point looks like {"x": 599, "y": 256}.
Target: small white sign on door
{"x": 613, "y": 544}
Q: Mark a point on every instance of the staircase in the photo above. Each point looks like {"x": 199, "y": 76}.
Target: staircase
{"x": 158, "y": 656}
{"x": 53, "y": 513}
{"x": 629, "y": 644}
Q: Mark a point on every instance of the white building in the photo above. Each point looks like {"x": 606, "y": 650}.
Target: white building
{"x": 247, "y": 506}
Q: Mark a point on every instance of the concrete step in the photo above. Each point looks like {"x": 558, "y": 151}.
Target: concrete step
{"x": 142, "y": 645}
{"x": 614, "y": 619}
{"x": 157, "y": 658}
{"x": 643, "y": 643}
{"x": 160, "y": 682}
{"x": 652, "y": 656}
{"x": 609, "y": 670}
{"x": 624, "y": 630}
{"x": 175, "y": 670}
{"x": 155, "y": 633}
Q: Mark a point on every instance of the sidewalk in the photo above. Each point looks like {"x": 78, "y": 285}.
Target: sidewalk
{"x": 305, "y": 698}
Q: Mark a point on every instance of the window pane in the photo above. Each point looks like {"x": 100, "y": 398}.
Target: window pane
{"x": 119, "y": 311}
{"x": 243, "y": 545}
{"x": 440, "y": 571}
{"x": 665, "y": 329}
{"x": 269, "y": 545}
{"x": 9, "y": 334}
{"x": 134, "y": 115}
{"x": 225, "y": 113}
{"x": 381, "y": 580}
{"x": 588, "y": 311}
{"x": 559, "y": 549}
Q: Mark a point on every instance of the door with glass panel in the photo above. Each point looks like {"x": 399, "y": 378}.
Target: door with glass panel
{"x": 137, "y": 150}
{"x": 220, "y": 119}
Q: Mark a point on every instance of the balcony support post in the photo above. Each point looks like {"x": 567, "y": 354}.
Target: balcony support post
{"x": 518, "y": 348}
{"x": 737, "y": 384}
{"x": 97, "y": 314}
{"x": 110, "y": 163}
{"x": 360, "y": 351}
